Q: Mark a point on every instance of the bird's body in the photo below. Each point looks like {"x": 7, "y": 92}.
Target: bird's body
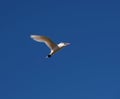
{"x": 53, "y": 46}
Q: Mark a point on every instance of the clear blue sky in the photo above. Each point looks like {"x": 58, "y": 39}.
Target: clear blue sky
{"x": 88, "y": 69}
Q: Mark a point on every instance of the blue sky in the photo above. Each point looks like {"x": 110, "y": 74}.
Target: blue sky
{"x": 88, "y": 69}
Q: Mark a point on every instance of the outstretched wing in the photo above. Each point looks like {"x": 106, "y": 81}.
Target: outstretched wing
{"x": 44, "y": 39}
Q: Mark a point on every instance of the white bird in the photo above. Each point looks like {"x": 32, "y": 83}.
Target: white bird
{"x": 53, "y": 46}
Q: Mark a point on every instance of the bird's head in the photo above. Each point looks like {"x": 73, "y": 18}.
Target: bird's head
{"x": 63, "y": 44}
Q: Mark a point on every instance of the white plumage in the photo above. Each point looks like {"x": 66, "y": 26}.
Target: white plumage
{"x": 53, "y": 46}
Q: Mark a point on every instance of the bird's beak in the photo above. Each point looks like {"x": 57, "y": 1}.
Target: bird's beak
{"x": 67, "y": 44}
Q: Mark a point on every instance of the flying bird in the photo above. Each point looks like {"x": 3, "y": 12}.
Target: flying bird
{"x": 52, "y": 46}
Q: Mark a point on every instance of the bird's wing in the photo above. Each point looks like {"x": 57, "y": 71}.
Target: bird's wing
{"x": 44, "y": 39}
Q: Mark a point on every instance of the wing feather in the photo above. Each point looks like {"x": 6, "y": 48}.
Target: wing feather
{"x": 45, "y": 40}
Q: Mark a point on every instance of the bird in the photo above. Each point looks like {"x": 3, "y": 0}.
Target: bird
{"x": 51, "y": 45}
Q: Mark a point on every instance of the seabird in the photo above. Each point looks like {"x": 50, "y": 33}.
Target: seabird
{"x": 52, "y": 46}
